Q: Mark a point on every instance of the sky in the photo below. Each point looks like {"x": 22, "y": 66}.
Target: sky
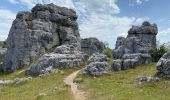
{"x": 103, "y": 19}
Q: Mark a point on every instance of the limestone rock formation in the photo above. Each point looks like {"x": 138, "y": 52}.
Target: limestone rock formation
{"x": 34, "y": 33}
{"x": 97, "y": 65}
{"x": 131, "y": 61}
{"x": 65, "y": 56}
{"x": 92, "y": 45}
{"x": 140, "y": 39}
{"x": 135, "y": 49}
{"x": 163, "y": 66}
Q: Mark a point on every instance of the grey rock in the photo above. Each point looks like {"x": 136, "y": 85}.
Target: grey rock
{"x": 131, "y": 61}
{"x": 22, "y": 80}
{"x": 147, "y": 79}
{"x": 6, "y": 82}
{"x": 97, "y": 58}
{"x": 34, "y": 33}
{"x": 117, "y": 65}
{"x": 97, "y": 65}
{"x": 68, "y": 58}
{"x": 92, "y": 45}
{"x": 163, "y": 66}
{"x": 140, "y": 39}
{"x": 15, "y": 81}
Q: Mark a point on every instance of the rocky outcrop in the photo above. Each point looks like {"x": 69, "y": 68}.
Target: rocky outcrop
{"x": 140, "y": 39}
{"x": 92, "y": 45}
{"x": 97, "y": 65}
{"x": 65, "y": 56}
{"x": 34, "y": 33}
{"x": 131, "y": 61}
{"x": 163, "y": 66}
{"x": 135, "y": 49}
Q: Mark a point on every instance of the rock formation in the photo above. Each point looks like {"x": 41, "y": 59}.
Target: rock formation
{"x": 135, "y": 49}
{"x": 92, "y": 45}
{"x": 65, "y": 56}
{"x": 140, "y": 39}
{"x": 34, "y": 33}
{"x": 163, "y": 66}
{"x": 97, "y": 65}
{"x": 130, "y": 61}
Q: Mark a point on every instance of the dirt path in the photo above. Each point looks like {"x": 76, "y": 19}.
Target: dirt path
{"x": 69, "y": 80}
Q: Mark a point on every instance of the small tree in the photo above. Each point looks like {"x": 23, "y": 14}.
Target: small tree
{"x": 157, "y": 53}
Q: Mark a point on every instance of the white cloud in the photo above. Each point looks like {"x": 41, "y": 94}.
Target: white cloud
{"x": 6, "y": 18}
{"x": 14, "y": 1}
{"x": 138, "y": 2}
{"x": 141, "y": 1}
{"x": 97, "y": 18}
{"x": 107, "y": 27}
{"x": 163, "y": 35}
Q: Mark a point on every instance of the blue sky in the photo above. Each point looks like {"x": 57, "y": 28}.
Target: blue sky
{"x": 104, "y": 19}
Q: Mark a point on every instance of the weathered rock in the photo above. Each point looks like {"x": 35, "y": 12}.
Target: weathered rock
{"x": 33, "y": 33}
{"x": 97, "y": 58}
{"x": 140, "y": 39}
{"x": 97, "y": 65}
{"x": 163, "y": 66}
{"x": 22, "y": 80}
{"x": 92, "y": 45}
{"x": 15, "y": 81}
{"x": 64, "y": 57}
{"x": 131, "y": 61}
{"x": 147, "y": 79}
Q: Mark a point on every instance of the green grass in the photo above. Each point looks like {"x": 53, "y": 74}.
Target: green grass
{"x": 31, "y": 89}
{"x": 122, "y": 86}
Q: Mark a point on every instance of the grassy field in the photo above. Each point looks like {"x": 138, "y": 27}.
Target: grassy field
{"x": 122, "y": 86}
{"x": 47, "y": 88}
{"x": 112, "y": 86}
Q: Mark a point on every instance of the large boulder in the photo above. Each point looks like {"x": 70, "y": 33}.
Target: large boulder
{"x": 97, "y": 65}
{"x": 34, "y": 33}
{"x": 163, "y": 66}
{"x": 140, "y": 39}
{"x": 131, "y": 61}
{"x": 92, "y": 45}
{"x": 65, "y": 56}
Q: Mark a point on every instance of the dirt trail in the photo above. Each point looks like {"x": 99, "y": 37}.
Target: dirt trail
{"x": 69, "y": 80}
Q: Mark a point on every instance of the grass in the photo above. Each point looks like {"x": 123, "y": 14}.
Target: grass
{"x": 122, "y": 86}
{"x": 112, "y": 86}
{"x": 37, "y": 89}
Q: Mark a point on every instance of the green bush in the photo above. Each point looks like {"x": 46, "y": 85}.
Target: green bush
{"x": 157, "y": 53}
{"x": 108, "y": 52}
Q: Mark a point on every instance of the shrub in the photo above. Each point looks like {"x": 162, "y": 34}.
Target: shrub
{"x": 108, "y": 52}
{"x": 157, "y": 53}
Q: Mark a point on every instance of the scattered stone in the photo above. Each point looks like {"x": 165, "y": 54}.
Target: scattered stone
{"x": 22, "y": 80}
{"x": 147, "y": 79}
{"x": 34, "y": 33}
{"x": 97, "y": 65}
{"x": 92, "y": 45}
{"x": 6, "y": 82}
{"x": 163, "y": 66}
{"x": 15, "y": 81}
{"x": 140, "y": 39}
